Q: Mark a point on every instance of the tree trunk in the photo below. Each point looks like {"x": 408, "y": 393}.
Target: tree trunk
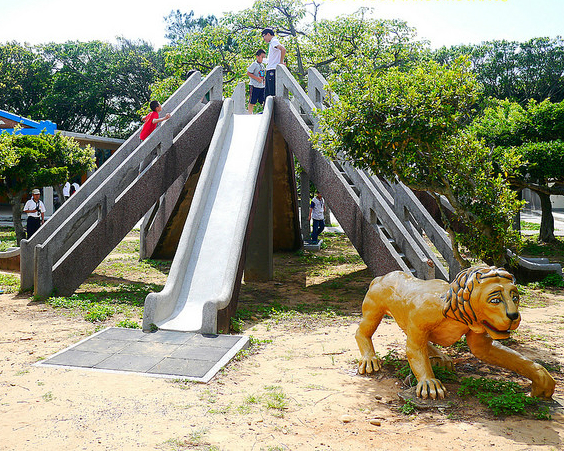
{"x": 16, "y": 202}
{"x": 546, "y": 234}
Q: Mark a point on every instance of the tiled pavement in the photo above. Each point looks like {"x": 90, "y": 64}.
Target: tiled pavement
{"x": 162, "y": 353}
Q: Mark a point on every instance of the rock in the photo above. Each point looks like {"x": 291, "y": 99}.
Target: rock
{"x": 375, "y": 422}
{"x": 346, "y": 418}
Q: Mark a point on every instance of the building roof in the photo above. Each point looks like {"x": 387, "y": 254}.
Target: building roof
{"x": 28, "y": 127}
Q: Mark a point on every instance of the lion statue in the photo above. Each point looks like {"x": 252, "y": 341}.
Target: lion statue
{"x": 481, "y": 303}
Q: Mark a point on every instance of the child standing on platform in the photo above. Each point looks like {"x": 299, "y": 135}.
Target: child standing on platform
{"x": 256, "y": 83}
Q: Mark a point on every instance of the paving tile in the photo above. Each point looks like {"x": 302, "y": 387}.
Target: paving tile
{"x": 137, "y": 363}
{"x": 148, "y": 348}
{"x": 183, "y": 367}
{"x": 167, "y": 336}
{"x": 96, "y": 344}
{"x": 78, "y": 358}
{"x": 192, "y": 352}
{"x": 116, "y": 333}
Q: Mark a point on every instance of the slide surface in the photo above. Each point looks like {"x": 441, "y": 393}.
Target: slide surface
{"x": 205, "y": 268}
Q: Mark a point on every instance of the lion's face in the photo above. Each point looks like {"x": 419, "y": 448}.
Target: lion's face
{"x": 495, "y": 302}
{"x": 486, "y": 299}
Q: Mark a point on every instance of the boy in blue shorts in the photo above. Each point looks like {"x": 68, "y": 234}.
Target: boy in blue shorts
{"x": 256, "y": 83}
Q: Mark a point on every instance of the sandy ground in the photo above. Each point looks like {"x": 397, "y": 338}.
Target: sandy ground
{"x": 298, "y": 392}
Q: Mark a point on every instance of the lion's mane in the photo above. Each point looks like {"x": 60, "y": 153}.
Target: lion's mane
{"x": 457, "y": 299}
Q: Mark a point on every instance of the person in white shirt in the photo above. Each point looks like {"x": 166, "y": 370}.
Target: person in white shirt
{"x": 35, "y": 210}
{"x": 317, "y": 211}
{"x": 66, "y": 190}
{"x": 276, "y": 55}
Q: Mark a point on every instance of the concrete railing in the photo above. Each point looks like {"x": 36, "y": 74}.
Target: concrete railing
{"x": 102, "y": 173}
{"x": 95, "y": 199}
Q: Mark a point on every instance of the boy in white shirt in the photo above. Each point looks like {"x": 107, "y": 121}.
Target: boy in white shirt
{"x": 276, "y": 55}
{"x": 256, "y": 75}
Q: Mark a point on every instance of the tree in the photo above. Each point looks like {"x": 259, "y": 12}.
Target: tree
{"x": 24, "y": 79}
{"x": 179, "y": 25}
{"x": 98, "y": 87}
{"x": 512, "y": 70}
{"x": 36, "y": 161}
{"x": 535, "y": 133}
{"x": 344, "y": 45}
{"x": 412, "y": 124}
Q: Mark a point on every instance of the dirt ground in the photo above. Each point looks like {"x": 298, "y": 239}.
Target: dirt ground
{"x": 298, "y": 389}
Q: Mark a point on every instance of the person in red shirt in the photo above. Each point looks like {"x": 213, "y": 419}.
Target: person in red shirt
{"x": 152, "y": 119}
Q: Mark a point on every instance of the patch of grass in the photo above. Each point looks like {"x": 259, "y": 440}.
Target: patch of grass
{"x": 97, "y": 306}
{"x": 502, "y": 397}
{"x": 47, "y": 397}
{"x": 534, "y": 248}
{"x": 275, "y": 399}
{"x": 9, "y": 283}
{"x": 530, "y": 225}
{"x": 7, "y": 238}
{"x": 408, "y": 408}
{"x": 530, "y": 297}
{"x": 128, "y": 324}
{"x": 194, "y": 440}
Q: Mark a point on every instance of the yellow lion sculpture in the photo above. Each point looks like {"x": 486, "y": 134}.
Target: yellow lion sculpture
{"x": 481, "y": 303}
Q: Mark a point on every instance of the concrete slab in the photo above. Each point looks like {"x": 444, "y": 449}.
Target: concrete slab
{"x": 169, "y": 354}
{"x": 313, "y": 247}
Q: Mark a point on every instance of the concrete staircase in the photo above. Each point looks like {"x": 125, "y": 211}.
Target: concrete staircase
{"x": 96, "y": 218}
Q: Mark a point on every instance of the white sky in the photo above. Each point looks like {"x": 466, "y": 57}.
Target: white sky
{"x": 443, "y": 22}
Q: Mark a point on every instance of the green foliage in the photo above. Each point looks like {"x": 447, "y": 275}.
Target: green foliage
{"x": 101, "y": 305}
{"x": 501, "y": 397}
{"x": 9, "y": 283}
{"x": 25, "y": 77}
{"x": 531, "y": 136}
{"x": 7, "y": 238}
{"x": 179, "y": 25}
{"x": 410, "y": 124}
{"x": 519, "y": 71}
{"x": 552, "y": 280}
{"x": 408, "y": 408}
{"x": 128, "y": 324}
{"x": 35, "y": 161}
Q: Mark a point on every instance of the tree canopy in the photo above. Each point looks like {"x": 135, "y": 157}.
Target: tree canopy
{"x": 412, "y": 124}
{"x": 535, "y": 133}
{"x": 34, "y": 161}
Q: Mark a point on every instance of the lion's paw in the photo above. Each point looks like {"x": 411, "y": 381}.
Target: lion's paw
{"x": 370, "y": 364}
{"x": 442, "y": 361}
{"x": 543, "y": 383}
{"x": 430, "y": 388}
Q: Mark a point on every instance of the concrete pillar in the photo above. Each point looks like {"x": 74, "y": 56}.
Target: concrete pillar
{"x": 304, "y": 205}
{"x": 48, "y": 200}
{"x": 258, "y": 261}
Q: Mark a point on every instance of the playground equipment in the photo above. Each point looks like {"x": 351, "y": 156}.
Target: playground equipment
{"x": 237, "y": 173}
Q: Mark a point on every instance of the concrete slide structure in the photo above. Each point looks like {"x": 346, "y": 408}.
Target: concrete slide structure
{"x": 207, "y": 268}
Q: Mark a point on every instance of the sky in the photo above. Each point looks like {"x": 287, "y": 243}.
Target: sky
{"x": 442, "y": 22}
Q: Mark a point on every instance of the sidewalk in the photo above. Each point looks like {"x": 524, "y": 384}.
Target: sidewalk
{"x": 535, "y": 217}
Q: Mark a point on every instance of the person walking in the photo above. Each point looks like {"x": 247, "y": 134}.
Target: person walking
{"x": 316, "y": 211}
